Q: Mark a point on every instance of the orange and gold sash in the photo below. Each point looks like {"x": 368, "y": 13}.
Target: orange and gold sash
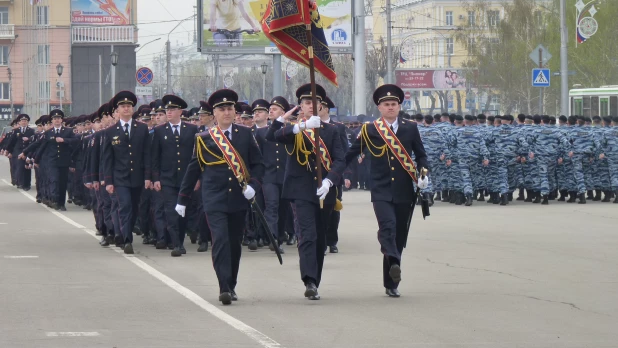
{"x": 324, "y": 154}
{"x": 232, "y": 158}
{"x": 395, "y": 146}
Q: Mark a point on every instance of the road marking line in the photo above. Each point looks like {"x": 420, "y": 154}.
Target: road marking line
{"x": 72, "y": 334}
{"x": 4, "y": 223}
{"x": 252, "y": 333}
{"x": 20, "y": 257}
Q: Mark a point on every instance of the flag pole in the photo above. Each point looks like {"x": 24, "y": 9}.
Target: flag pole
{"x": 314, "y": 101}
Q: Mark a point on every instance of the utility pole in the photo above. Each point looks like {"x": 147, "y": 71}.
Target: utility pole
{"x": 11, "y": 91}
{"x": 100, "y": 80}
{"x": 389, "y": 47}
{"x": 541, "y": 88}
{"x": 168, "y": 54}
{"x": 359, "y": 57}
{"x": 564, "y": 62}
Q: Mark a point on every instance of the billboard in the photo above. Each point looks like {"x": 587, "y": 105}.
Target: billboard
{"x": 233, "y": 26}
{"x": 101, "y": 12}
{"x": 430, "y": 79}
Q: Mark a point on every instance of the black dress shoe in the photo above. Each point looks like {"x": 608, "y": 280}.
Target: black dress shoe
{"x": 26, "y": 189}
{"x": 98, "y": 233}
{"x": 103, "y": 242}
{"x": 253, "y": 245}
{"x": 128, "y": 248}
{"x": 193, "y": 239}
{"x": 202, "y": 248}
{"x": 245, "y": 242}
{"x": 234, "y": 296}
{"x": 62, "y": 208}
{"x": 69, "y": 201}
{"x": 291, "y": 241}
{"x": 260, "y": 243}
{"x": 395, "y": 273}
{"x": 311, "y": 290}
{"x": 393, "y": 293}
{"x": 146, "y": 240}
{"x": 333, "y": 249}
{"x": 109, "y": 239}
{"x": 176, "y": 252}
{"x": 225, "y": 298}
{"x": 161, "y": 245}
{"x": 38, "y": 201}
{"x": 182, "y": 250}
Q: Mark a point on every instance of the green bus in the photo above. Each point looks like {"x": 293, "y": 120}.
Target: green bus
{"x": 591, "y": 102}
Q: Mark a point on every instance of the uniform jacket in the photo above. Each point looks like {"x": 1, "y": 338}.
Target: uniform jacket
{"x": 126, "y": 159}
{"x": 274, "y": 156}
{"x": 17, "y": 143}
{"x": 171, "y": 156}
{"x": 58, "y": 154}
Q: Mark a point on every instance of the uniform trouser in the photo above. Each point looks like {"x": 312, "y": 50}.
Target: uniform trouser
{"x": 69, "y": 189}
{"x": 58, "y": 177}
{"x": 435, "y": 172}
{"x": 158, "y": 212}
{"x": 515, "y": 180}
{"x": 543, "y": 180}
{"x": 24, "y": 176}
{"x": 579, "y": 161}
{"x": 176, "y": 224}
{"x": 115, "y": 212}
{"x": 363, "y": 174}
{"x": 275, "y": 210}
{"x": 199, "y": 222}
{"x": 332, "y": 233}
{"x": 77, "y": 188}
{"x": 312, "y": 225}
{"x": 144, "y": 213}
{"x": 253, "y": 225}
{"x": 98, "y": 221}
{"x": 227, "y": 230}
{"x": 128, "y": 203}
{"x": 589, "y": 171}
{"x": 37, "y": 183}
{"x": 612, "y": 164}
{"x": 466, "y": 176}
{"x": 492, "y": 175}
{"x": 392, "y": 231}
{"x": 603, "y": 175}
{"x": 106, "y": 210}
{"x": 502, "y": 177}
{"x": 291, "y": 224}
{"x": 12, "y": 168}
{"x": 529, "y": 168}
{"x": 353, "y": 173}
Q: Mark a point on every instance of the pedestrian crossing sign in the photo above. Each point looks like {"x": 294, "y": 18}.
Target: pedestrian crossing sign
{"x": 540, "y": 77}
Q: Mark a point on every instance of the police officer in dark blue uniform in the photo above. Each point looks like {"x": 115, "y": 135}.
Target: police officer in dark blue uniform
{"x": 172, "y": 148}
{"x": 389, "y": 141}
{"x": 126, "y": 164}
{"x": 302, "y": 188}
{"x": 228, "y": 165}
{"x": 16, "y": 146}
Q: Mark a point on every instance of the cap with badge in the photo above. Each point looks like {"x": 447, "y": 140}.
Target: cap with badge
{"x": 281, "y": 102}
{"x": 328, "y": 103}
{"x": 23, "y": 117}
{"x": 56, "y": 113}
{"x": 387, "y": 92}
{"x": 39, "y": 121}
{"x": 184, "y": 116}
{"x": 171, "y": 101}
{"x": 260, "y": 104}
{"x": 205, "y": 109}
{"x": 304, "y": 91}
{"x": 245, "y": 111}
{"x": 222, "y": 97}
{"x": 124, "y": 98}
{"x": 194, "y": 113}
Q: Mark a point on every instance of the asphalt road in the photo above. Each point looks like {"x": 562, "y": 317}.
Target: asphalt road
{"x": 482, "y": 276}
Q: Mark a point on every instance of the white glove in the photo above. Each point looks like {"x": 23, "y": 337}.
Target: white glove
{"x": 313, "y": 122}
{"x": 323, "y": 190}
{"x": 423, "y": 182}
{"x": 180, "y": 209}
{"x": 249, "y": 192}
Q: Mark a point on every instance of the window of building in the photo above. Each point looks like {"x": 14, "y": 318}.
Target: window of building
{"x": 4, "y": 15}
{"x": 493, "y": 18}
{"x": 43, "y": 54}
{"x": 5, "y": 91}
{"x": 449, "y": 17}
{"x": 44, "y": 90}
{"x": 4, "y": 55}
{"x": 471, "y": 45}
{"x": 42, "y": 15}
{"x": 471, "y": 18}
{"x": 450, "y": 46}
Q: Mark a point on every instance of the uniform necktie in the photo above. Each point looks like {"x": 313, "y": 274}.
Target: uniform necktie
{"x": 176, "y": 130}
{"x": 227, "y": 135}
{"x": 57, "y": 131}
{"x": 126, "y": 128}
{"x": 393, "y": 129}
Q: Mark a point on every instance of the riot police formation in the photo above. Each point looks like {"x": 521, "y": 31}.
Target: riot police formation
{"x": 229, "y": 175}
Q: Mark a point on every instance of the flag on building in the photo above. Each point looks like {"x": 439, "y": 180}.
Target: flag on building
{"x": 401, "y": 58}
{"x": 284, "y": 23}
{"x": 33, "y": 2}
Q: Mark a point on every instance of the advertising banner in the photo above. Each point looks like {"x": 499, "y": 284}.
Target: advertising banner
{"x": 233, "y": 26}
{"x": 430, "y": 79}
{"x": 101, "y": 12}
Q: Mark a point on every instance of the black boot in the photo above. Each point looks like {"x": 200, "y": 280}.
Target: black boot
{"x": 563, "y": 195}
{"x": 504, "y": 199}
{"x": 590, "y": 194}
{"x": 510, "y": 196}
{"x": 606, "y": 197}
{"x": 573, "y": 197}
{"x": 545, "y": 200}
{"x": 438, "y": 196}
{"x": 468, "y": 200}
{"x": 529, "y": 196}
{"x": 537, "y": 197}
{"x": 551, "y": 196}
{"x": 429, "y": 198}
{"x": 616, "y": 195}
{"x": 481, "y": 197}
{"x": 582, "y": 198}
{"x": 445, "y": 197}
{"x": 453, "y": 195}
{"x": 496, "y": 198}
{"x": 458, "y": 197}
{"x": 491, "y": 198}
{"x": 597, "y": 196}
{"x": 521, "y": 196}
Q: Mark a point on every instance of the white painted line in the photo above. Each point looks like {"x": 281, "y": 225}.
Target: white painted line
{"x": 72, "y": 334}
{"x": 252, "y": 333}
{"x": 20, "y": 257}
{"x": 4, "y": 223}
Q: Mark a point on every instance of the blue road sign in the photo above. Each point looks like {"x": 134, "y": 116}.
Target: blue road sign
{"x": 144, "y": 76}
{"x": 407, "y": 104}
{"x": 541, "y": 77}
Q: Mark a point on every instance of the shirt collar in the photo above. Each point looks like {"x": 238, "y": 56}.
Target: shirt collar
{"x": 229, "y": 129}
{"x": 178, "y": 125}
{"x": 122, "y": 123}
{"x": 394, "y": 124}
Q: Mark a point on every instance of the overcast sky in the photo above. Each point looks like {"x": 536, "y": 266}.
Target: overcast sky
{"x": 156, "y": 18}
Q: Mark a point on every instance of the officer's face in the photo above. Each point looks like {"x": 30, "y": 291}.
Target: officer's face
{"x": 225, "y": 115}
{"x": 247, "y": 121}
{"x": 275, "y": 111}
{"x": 161, "y": 117}
{"x": 237, "y": 118}
{"x": 306, "y": 106}
{"x": 173, "y": 115}
{"x": 324, "y": 111}
{"x": 260, "y": 116}
{"x": 23, "y": 123}
{"x": 389, "y": 109}
{"x": 57, "y": 122}
{"x": 205, "y": 119}
{"x": 125, "y": 111}
{"x": 96, "y": 126}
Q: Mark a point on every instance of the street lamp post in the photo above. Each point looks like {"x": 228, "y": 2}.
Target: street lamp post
{"x": 114, "y": 56}
{"x": 59, "y": 70}
{"x": 264, "y": 67}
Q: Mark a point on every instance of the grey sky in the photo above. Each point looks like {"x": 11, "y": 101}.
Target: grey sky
{"x": 155, "y": 19}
